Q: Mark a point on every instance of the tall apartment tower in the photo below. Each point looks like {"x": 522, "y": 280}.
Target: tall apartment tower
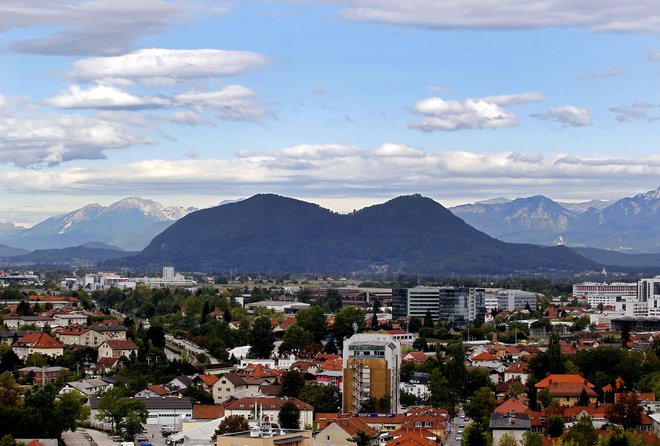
{"x": 371, "y": 365}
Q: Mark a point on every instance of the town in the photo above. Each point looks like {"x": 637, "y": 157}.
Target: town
{"x": 100, "y": 359}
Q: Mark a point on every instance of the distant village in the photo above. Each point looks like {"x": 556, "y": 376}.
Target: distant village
{"x": 170, "y": 361}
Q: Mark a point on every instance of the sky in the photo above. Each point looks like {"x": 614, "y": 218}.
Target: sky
{"x": 344, "y": 103}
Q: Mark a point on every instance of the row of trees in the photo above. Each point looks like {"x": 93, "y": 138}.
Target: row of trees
{"x": 39, "y": 412}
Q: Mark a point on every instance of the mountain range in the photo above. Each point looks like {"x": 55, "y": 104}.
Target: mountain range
{"x": 406, "y": 234}
{"x": 629, "y": 225}
{"x": 129, "y": 224}
{"x": 87, "y": 255}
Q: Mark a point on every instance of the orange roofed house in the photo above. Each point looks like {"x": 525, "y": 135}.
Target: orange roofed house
{"x": 567, "y": 389}
{"x": 41, "y": 343}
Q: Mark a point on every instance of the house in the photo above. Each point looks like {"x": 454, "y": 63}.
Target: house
{"x": 517, "y": 371}
{"x": 227, "y": 385}
{"x": 9, "y": 337}
{"x": 205, "y": 381}
{"x": 56, "y": 301}
{"x": 117, "y": 349}
{"x": 270, "y": 407}
{"x": 40, "y": 322}
{"x": 181, "y": 382}
{"x": 103, "y": 366}
{"x": 41, "y": 375}
{"x": 86, "y": 387}
{"x": 79, "y": 335}
{"x": 339, "y": 431}
{"x": 154, "y": 391}
{"x": 64, "y": 319}
{"x": 415, "y": 357}
{"x": 417, "y": 385}
{"x": 111, "y": 330}
{"x": 41, "y": 343}
{"x": 515, "y": 424}
{"x": 331, "y": 378}
{"x": 567, "y": 389}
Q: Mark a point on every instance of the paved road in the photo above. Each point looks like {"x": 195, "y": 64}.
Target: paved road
{"x": 87, "y": 437}
{"x": 191, "y": 348}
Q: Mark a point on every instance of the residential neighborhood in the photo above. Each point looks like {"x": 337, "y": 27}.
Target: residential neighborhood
{"x": 405, "y": 374}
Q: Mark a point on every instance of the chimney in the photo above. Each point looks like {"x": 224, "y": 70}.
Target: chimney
{"x": 494, "y": 336}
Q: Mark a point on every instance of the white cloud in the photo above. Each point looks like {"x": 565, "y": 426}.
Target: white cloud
{"x": 159, "y": 65}
{"x": 515, "y": 99}
{"x": 631, "y": 16}
{"x": 612, "y": 72}
{"x": 52, "y": 139}
{"x": 390, "y": 150}
{"x": 653, "y": 54}
{"x": 92, "y": 26}
{"x": 231, "y": 102}
{"x": 104, "y": 97}
{"x": 234, "y": 102}
{"x": 567, "y": 115}
{"x": 318, "y": 151}
{"x": 639, "y": 110}
{"x": 479, "y": 113}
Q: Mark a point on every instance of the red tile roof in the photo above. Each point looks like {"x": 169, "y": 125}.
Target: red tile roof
{"x": 352, "y": 425}
{"x": 121, "y": 345}
{"x": 563, "y": 378}
{"x": 410, "y": 439}
{"x": 266, "y": 403}
{"x": 209, "y": 380}
{"x": 485, "y": 356}
{"x": 512, "y": 405}
{"x": 159, "y": 390}
{"x": 38, "y": 340}
{"x": 207, "y": 412}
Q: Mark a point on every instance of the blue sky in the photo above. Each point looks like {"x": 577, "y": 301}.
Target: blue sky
{"x": 344, "y": 103}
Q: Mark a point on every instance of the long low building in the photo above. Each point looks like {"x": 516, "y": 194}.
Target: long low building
{"x": 166, "y": 410}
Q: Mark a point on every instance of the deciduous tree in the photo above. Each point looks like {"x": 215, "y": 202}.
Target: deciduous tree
{"x": 626, "y": 411}
{"x": 231, "y": 424}
{"x": 289, "y": 416}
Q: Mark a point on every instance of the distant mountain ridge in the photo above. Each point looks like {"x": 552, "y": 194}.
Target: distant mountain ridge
{"x": 87, "y": 255}
{"x": 630, "y": 224}
{"x": 129, "y": 223}
{"x": 408, "y": 234}
{"x": 8, "y": 251}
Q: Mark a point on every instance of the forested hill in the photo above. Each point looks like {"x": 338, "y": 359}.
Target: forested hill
{"x": 408, "y": 234}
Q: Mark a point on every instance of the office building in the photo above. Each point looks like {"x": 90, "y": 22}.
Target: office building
{"x": 455, "y": 305}
{"x": 511, "y": 300}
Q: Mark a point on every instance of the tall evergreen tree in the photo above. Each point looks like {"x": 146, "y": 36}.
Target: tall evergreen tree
{"x": 428, "y": 319}
{"x": 555, "y": 364}
{"x": 374, "y": 317}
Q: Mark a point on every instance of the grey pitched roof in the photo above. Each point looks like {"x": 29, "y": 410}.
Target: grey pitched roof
{"x": 505, "y": 421}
